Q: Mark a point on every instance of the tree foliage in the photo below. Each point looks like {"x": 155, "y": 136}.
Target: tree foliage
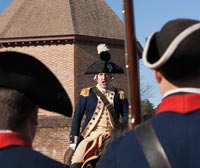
{"x": 147, "y": 109}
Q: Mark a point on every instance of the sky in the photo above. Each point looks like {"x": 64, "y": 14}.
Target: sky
{"x": 149, "y": 16}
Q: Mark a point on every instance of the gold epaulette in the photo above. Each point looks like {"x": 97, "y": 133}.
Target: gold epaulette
{"x": 85, "y": 91}
{"x": 122, "y": 94}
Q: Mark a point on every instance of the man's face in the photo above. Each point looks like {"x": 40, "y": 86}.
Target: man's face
{"x": 103, "y": 80}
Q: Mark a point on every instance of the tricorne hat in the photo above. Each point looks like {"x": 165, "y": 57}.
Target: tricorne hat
{"x": 104, "y": 65}
{"x": 30, "y": 76}
{"x": 177, "y": 38}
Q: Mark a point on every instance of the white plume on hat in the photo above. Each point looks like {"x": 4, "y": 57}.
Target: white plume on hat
{"x": 102, "y": 48}
{"x": 104, "y": 65}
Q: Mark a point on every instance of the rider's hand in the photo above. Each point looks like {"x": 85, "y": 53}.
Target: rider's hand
{"x": 72, "y": 146}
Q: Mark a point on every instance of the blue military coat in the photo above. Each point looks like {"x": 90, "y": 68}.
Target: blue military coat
{"x": 86, "y": 105}
{"x": 25, "y": 157}
{"x": 177, "y": 125}
{"x": 16, "y": 151}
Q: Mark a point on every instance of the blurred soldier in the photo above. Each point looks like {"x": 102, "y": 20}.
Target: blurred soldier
{"x": 26, "y": 84}
{"x": 174, "y": 55}
{"x": 100, "y": 117}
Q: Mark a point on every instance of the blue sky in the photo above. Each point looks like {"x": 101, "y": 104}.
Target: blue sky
{"x": 150, "y": 15}
{"x": 4, "y": 4}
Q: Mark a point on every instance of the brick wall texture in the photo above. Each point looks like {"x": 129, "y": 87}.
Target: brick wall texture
{"x": 52, "y": 138}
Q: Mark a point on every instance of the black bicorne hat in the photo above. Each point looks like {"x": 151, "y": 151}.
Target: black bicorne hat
{"x": 28, "y": 75}
{"x": 104, "y": 65}
{"x": 177, "y": 38}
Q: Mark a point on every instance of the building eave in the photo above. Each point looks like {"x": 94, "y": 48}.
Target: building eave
{"x": 59, "y": 39}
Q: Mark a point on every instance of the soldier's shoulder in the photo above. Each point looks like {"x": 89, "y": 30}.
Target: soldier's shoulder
{"x": 85, "y": 91}
{"x": 122, "y": 93}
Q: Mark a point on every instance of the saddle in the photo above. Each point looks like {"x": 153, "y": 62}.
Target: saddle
{"x": 95, "y": 149}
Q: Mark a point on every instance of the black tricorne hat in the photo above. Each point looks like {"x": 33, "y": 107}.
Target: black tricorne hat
{"x": 104, "y": 65}
{"x": 30, "y": 76}
{"x": 177, "y": 38}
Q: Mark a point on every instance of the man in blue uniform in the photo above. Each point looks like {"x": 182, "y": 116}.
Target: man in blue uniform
{"x": 174, "y": 55}
{"x": 26, "y": 85}
{"x": 99, "y": 121}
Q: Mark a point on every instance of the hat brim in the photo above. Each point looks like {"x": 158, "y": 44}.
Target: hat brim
{"x": 30, "y": 76}
{"x": 104, "y": 67}
{"x": 156, "y": 55}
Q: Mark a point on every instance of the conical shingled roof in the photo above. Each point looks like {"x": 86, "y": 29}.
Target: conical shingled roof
{"x": 46, "y": 18}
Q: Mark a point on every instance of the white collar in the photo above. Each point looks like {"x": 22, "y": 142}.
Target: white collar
{"x": 5, "y": 131}
{"x": 186, "y": 89}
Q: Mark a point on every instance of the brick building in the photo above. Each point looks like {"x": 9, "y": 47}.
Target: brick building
{"x": 64, "y": 35}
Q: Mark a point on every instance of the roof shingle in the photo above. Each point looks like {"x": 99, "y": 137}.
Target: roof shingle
{"x": 33, "y": 18}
